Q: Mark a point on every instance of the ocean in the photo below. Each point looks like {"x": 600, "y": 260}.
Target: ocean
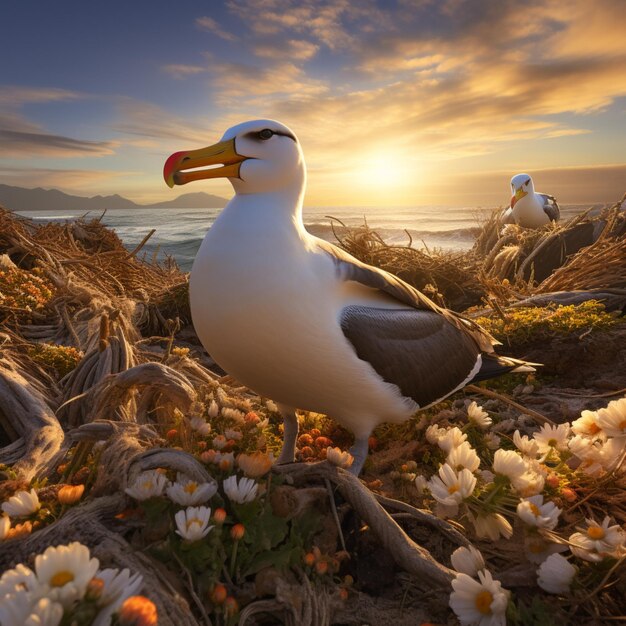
{"x": 179, "y": 232}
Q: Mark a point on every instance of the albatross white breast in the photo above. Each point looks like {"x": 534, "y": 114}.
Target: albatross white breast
{"x": 300, "y": 321}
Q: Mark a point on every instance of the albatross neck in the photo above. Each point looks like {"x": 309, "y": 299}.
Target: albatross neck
{"x": 284, "y": 206}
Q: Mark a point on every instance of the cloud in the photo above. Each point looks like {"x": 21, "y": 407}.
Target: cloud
{"x": 210, "y": 25}
{"x": 297, "y": 49}
{"x": 13, "y": 96}
{"x": 18, "y": 144}
{"x": 64, "y": 179}
{"x": 183, "y": 71}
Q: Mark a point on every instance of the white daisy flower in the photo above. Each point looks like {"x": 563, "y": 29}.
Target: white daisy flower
{"x": 188, "y": 492}
{"x": 463, "y": 456}
{"x": 479, "y": 602}
{"x": 451, "y": 488}
{"x": 487, "y": 476}
{"x": 22, "y": 609}
{"x": 467, "y": 561}
{"x": 118, "y": 585}
{"x": 509, "y": 463}
{"x": 213, "y": 410}
{"x": 492, "y": 441}
{"x": 338, "y": 457}
{"x": 231, "y": 433}
{"x": 147, "y": 485}
{"x": 421, "y": 484}
{"x": 492, "y": 525}
{"x": 589, "y": 452}
{"x": 234, "y": 414}
{"x": 538, "y": 548}
{"x": 433, "y": 434}
{"x": 612, "y": 452}
{"x": 551, "y": 438}
{"x": 587, "y": 425}
{"x": 612, "y": 419}
{"x": 534, "y": 512}
{"x": 452, "y": 438}
{"x": 200, "y": 425}
{"x": 19, "y": 578}
{"x": 555, "y": 574}
{"x": 65, "y": 571}
{"x": 244, "y": 491}
{"x": 597, "y": 540}
{"x": 528, "y": 447}
{"x": 530, "y": 483}
{"x": 193, "y": 523}
{"x": 22, "y": 504}
{"x": 5, "y": 526}
{"x": 478, "y": 415}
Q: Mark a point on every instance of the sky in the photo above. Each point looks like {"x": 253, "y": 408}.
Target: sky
{"x": 397, "y": 102}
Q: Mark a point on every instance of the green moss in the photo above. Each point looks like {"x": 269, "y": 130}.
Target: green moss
{"x": 62, "y": 358}
{"x": 532, "y": 324}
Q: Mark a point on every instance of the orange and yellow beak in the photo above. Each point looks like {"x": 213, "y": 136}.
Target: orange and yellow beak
{"x": 519, "y": 194}
{"x": 216, "y": 161}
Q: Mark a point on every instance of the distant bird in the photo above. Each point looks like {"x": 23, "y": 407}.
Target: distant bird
{"x": 529, "y": 208}
{"x": 302, "y": 322}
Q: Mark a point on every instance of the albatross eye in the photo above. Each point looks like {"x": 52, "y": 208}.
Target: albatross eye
{"x": 265, "y": 134}
{"x": 526, "y": 183}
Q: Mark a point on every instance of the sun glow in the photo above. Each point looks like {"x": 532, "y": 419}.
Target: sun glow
{"x": 383, "y": 171}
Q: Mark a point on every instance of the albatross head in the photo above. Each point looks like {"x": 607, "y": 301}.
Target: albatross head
{"x": 521, "y": 185}
{"x": 257, "y": 156}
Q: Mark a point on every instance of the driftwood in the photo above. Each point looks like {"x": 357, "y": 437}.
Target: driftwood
{"x": 29, "y": 421}
{"x": 408, "y": 555}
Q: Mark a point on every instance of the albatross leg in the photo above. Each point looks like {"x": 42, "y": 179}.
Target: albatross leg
{"x": 359, "y": 451}
{"x": 290, "y": 422}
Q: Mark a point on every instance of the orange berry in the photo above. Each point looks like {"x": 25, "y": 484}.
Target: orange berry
{"x": 309, "y": 559}
{"x": 321, "y": 567}
{"x": 202, "y": 445}
{"x": 137, "y": 611}
{"x": 219, "y": 516}
{"x": 569, "y": 494}
{"x": 343, "y": 594}
{"x": 305, "y": 440}
{"x": 552, "y": 480}
{"x": 315, "y": 432}
{"x": 171, "y": 434}
{"x": 372, "y": 442}
{"x": 218, "y": 594}
{"x": 252, "y": 418}
{"x": 230, "y": 606}
{"x": 307, "y": 452}
{"x": 322, "y": 442}
{"x": 237, "y": 531}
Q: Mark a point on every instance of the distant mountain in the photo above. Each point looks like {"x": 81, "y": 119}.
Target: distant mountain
{"x": 199, "y": 200}
{"x": 21, "y": 199}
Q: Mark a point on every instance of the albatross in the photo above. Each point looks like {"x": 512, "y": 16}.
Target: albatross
{"x": 530, "y": 209}
{"x": 302, "y": 322}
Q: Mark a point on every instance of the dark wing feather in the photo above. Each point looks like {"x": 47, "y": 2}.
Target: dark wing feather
{"x": 550, "y": 207}
{"x": 350, "y": 268}
{"x": 417, "y": 350}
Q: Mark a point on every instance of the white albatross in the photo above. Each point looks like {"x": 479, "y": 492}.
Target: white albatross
{"x": 529, "y": 208}
{"x": 302, "y": 322}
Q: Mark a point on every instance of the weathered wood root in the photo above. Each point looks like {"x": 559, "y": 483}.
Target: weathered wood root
{"x": 86, "y": 523}
{"x": 29, "y": 421}
{"x": 297, "y": 605}
{"x": 407, "y": 554}
{"x": 113, "y": 398}
{"x": 168, "y": 458}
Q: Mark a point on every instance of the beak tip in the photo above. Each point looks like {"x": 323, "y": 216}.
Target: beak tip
{"x": 169, "y": 169}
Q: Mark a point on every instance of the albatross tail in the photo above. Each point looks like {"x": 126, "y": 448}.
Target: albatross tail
{"x": 495, "y": 365}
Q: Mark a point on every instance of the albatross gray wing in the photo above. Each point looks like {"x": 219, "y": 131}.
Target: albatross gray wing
{"x": 417, "y": 350}
{"x": 350, "y": 268}
{"x": 550, "y": 207}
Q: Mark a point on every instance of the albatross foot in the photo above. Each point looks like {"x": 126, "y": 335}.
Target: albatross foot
{"x": 359, "y": 451}
{"x": 290, "y": 423}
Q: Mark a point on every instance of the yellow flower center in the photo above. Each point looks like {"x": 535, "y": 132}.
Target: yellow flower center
{"x": 622, "y": 425}
{"x": 192, "y": 521}
{"x": 552, "y": 442}
{"x": 190, "y": 487}
{"x": 147, "y": 485}
{"x": 593, "y": 428}
{"x": 453, "y": 489}
{"x": 61, "y": 578}
{"x": 483, "y": 602}
{"x": 595, "y": 532}
{"x": 535, "y": 509}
